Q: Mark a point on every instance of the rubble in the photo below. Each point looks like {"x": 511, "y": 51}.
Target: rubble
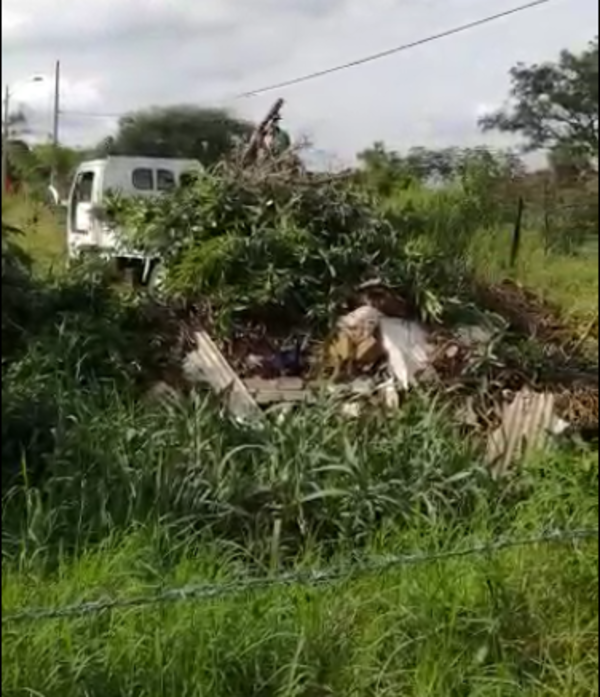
{"x": 371, "y": 360}
{"x": 267, "y": 277}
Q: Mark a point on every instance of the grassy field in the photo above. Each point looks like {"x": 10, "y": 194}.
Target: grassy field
{"x": 569, "y": 282}
{"x": 44, "y": 230}
{"x": 118, "y": 498}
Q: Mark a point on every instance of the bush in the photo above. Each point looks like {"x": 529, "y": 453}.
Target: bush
{"x": 256, "y": 246}
{"x": 17, "y": 291}
{"x": 65, "y": 340}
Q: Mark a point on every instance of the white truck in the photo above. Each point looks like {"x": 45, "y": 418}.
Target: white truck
{"x": 130, "y": 176}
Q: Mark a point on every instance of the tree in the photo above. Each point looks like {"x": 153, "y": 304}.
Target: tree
{"x": 383, "y": 170}
{"x": 17, "y": 125}
{"x": 386, "y": 170}
{"x": 555, "y": 105}
{"x": 17, "y": 150}
{"x": 179, "y": 131}
{"x": 60, "y": 159}
{"x": 568, "y": 165}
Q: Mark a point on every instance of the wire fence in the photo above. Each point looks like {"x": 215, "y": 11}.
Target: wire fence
{"x": 205, "y": 592}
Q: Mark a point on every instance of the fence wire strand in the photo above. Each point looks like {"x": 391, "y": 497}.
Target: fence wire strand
{"x": 307, "y": 578}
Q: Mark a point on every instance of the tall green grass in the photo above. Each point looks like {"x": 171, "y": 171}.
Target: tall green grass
{"x": 131, "y": 497}
{"x": 462, "y": 227}
{"x": 521, "y": 622}
{"x": 110, "y": 463}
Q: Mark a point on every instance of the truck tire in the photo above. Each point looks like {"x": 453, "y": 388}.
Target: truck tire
{"x": 156, "y": 282}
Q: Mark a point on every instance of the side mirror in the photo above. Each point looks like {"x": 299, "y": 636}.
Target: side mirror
{"x": 55, "y": 199}
{"x": 53, "y": 195}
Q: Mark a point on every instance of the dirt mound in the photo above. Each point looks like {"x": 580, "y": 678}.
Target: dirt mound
{"x": 524, "y": 311}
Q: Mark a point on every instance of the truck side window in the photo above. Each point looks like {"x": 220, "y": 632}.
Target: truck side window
{"x": 142, "y": 179}
{"x": 82, "y": 193}
{"x": 165, "y": 180}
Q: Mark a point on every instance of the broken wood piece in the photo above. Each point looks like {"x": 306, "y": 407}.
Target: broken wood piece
{"x": 207, "y": 364}
{"x": 258, "y": 136}
{"x": 368, "y": 351}
{"x": 391, "y": 398}
{"x": 290, "y": 390}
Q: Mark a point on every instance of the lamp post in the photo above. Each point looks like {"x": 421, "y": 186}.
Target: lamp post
{"x": 55, "y": 124}
{"x": 5, "y": 134}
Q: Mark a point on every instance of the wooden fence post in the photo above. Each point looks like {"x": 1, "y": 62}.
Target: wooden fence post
{"x": 516, "y": 241}
{"x": 547, "y": 219}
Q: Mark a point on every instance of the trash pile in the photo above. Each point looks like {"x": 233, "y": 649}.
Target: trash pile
{"x": 300, "y": 287}
{"x": 372, "y": 360}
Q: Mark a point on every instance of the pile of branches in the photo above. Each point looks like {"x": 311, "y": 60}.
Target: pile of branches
{"x": 275, "y": 245}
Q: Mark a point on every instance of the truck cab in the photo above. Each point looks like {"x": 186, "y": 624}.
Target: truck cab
{"x": 130, "y": 176}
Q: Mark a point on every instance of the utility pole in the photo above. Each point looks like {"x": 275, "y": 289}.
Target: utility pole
{"x": 5, "y": 137}
{"x": 55, "y": 124}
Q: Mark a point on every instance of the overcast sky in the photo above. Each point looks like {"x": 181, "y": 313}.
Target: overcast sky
{"x": 118, "y": 55}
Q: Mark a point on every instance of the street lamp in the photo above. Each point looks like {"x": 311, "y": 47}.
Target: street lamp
{"x": 5, "y": 131}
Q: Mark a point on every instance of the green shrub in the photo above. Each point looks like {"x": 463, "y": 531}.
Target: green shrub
{"x": 262, "y": 247}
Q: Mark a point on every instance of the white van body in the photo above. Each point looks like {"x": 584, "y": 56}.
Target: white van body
{"x": 130, "y": 176}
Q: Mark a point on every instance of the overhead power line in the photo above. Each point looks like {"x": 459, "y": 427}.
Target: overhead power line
{"x": 93, "y": 114}
{"x": 352, "y": 64}
{"x": 114, "y": 114}
{"x": 397, "y": 49}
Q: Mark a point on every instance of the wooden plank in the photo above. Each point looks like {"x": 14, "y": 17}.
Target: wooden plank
{"x": 283, "y": 384}
{"x": 265, "y": 397}
{"x": 278, "y": 390}
{"x": 208, "y": 364}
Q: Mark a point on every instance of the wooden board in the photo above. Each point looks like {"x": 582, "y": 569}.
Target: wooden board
{"x": 290, "y": 390}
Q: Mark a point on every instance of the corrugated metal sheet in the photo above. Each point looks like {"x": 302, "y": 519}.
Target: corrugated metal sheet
{"x": 208, "y": 364}
{"x": 407, "y": 349}
{"x": 526, "y": 424}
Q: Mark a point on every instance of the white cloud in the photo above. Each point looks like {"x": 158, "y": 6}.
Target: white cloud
{"x": 124, "y": 55}
{"x": 34, "y": 96}
{"x": 74, "y": 94}
{"x": 13, "y": 22}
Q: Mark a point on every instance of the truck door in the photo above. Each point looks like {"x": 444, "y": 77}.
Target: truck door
{"x": 81, "y": 221}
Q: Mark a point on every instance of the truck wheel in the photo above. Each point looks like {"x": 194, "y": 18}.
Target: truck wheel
{"x": 156, "y": 282}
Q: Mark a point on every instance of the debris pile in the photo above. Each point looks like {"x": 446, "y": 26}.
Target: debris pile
{"x": 373, "y": 359}
{"x": 301, "y": 286}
